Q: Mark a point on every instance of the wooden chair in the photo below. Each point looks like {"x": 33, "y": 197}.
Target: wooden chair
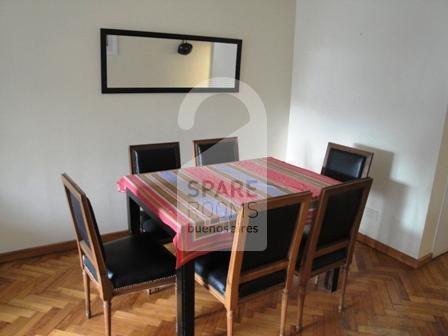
{"x": 346, "y": 163}
{"x": 117, "y": 267}
{"x": 151, "y": 158}
{"x": 211, "y": 151}
{"x": 236, "y": 276}
{"x": 331, "y": 241}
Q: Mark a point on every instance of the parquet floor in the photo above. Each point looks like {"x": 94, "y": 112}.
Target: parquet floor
{"x": 44, "y": 296}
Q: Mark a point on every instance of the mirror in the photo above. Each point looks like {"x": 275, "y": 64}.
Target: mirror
{"x": 139, "y": 62}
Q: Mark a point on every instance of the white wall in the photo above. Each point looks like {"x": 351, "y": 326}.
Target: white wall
{"x": 374, "y": 74}
{"x": 54, "y": 119}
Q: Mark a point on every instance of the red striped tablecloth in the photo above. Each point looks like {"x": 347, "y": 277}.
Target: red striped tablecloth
{"x": 204, "y": 197}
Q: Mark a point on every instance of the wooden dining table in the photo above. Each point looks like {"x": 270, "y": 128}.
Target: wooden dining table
{"x": 196, "y": 203}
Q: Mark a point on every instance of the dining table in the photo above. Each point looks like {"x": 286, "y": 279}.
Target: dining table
{"x": 198, "y": 204}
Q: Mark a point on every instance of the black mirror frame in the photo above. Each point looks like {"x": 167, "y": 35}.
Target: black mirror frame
{"x": 105, "y": 89}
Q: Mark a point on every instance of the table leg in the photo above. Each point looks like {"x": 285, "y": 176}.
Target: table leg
{"x": 185, "y": 299}
{"x": 331, "y": 280}
{"x": 133, "y": 215}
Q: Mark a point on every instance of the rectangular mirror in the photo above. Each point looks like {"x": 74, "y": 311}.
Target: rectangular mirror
{"x": 139, "y": 62}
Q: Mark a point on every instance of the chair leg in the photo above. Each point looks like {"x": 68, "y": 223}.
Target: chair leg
{"x": 86, "y": 281}
{"x": 284, "y": 309}
{"x": 344, "y": 285}
{"x": 230, "y": 323}
{"x": 107, "y": 317}
{"x": 300, "y": 306}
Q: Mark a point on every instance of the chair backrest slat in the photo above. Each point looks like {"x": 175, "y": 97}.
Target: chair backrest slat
{"x": 154, "y": 157}
{"x": 345, "y": 163}
{"x": 211, "y": 151}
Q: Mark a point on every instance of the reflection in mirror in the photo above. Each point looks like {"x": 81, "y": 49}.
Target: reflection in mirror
{"x": 146, "y": 62}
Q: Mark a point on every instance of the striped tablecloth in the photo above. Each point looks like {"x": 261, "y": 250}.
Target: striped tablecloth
{"x": 195, "y": 201}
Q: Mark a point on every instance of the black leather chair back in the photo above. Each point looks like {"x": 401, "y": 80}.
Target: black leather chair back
{"x": 333, "y": 233}
{"x": 276, "y": 229}
{"x": 345, "y": 163}
{"x": 81, "y": 225}
{"x": 340, "y": 216}
{"x": 341, "y": 210}
{"x": 87, "y": 234}
{"x": 213, "y": 151}
{"x": 266, "y": 244}
{"x": 154, "y": 157}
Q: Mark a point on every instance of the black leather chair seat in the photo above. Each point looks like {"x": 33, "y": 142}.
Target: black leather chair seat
{"x": 156, "y": 229}
{"x": 213, "y": 268}
{"x": 135, "y": 259}
{"x": 322, "y": 261}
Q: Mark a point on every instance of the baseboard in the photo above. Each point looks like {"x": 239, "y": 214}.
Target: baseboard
{"x": 393, "y": 253}
{"x": 52, "y": 248}
{"x": 70, "y": 245}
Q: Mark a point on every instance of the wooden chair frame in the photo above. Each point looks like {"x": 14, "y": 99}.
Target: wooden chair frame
{"x": 312, "y": 251}
{"x": 198, "y": 143}
{"x": 368, "y": 156}
{"x": 235, "y": 277}
{"x": 163, "y": 145}
{"x": 95, "y": 255}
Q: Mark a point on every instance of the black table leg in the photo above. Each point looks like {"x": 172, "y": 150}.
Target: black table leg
{"x": 133, "y": 215}
{"x": 185, "y": 299}
{"x": 331, "y": 280}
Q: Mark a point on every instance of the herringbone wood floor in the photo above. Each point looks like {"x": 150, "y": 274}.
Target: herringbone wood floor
{"x": 44, "y": 296}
